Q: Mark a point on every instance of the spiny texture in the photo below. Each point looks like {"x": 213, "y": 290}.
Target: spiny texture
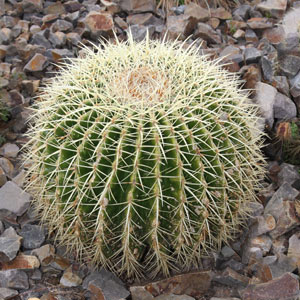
{"x": 143, "y": 156}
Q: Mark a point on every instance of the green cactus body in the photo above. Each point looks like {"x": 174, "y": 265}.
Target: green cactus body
{"x": 144, "y": 156}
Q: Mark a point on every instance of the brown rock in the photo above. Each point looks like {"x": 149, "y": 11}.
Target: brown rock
{"x": 37, "y": 63}
{"x": 139, "y": 293}
{"x": 70, "y": 279}
{"x": 287, "y": 220}
{"x": 22, "y": 262}
{"x": 60, "y": 263}
{"x": 3, "y": 50}
{"x": 220, "y": 13}
{"x": 231, "y": 278}
{"x": 213, "y": 22}
{"x": 192, "y": 284}
{"x": 259, "y": 23}
{"x": 180, "y": 26}
{"x": 56, "y": 8}
{"x": 31, "y": 6}
{"x": 274, "y": 35}
{"x": 45, "y": 254}
{"x": 121, "y": 23}
{"x": 99, "y": 23}
{"x": 3, "y": 178}
{"x": 276, "y": 8}
{"x": 196, "y": 11}
{"x": 294, "y": 248}
{"x": 140, "y": 19}
{"x": 284, "y": 287}
{"x": 251, "y": 75}
{"x": 207, "y": 33}
{"x": 263, "y": 225}
{"x": 138, "y": 5}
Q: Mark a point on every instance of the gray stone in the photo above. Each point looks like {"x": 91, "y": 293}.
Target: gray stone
{"x": 267, "y": 68}
{"x": 7, "y": 294}
{"x": 252, "y": 55}
{"x": 14, "y": 279}
{"x": 250, "y": 36}
{"x": 288, "y": 173}
{"x": 9, "y": 247}
{"x": 289, "y": 65}
{"x": 33, "y": 236}
{"x": 291, "y": 21}
{"x": 9, "y": 150}
{"x": 275, "y": 205}
{"x": 265, "y": 98}
{"x": 282, "y": 265}
{"x": 139, "y": 32}
{"x": 289, "y": 46}
{"x": 57, "y": 39}
{"x": 10, "y": 233}
{"x": 5, "y": 36}
{"x": 284, "y": 108}
{"x": 31, "y": 6}
{"x": 207, "y": 33}
{"x": 3, "y": 83}
{"x": 173, "y": 297}
{"x": 227, "y": 252}
{"x": 62, "y": 25}
{"x": 242, "y": 11}
{"x": 282, "y": 85}
{"x": 19, "y": 179}
{"x": 14, "y": 199}
{"x": 40, "y": 40}
{"x": 295, "y": 85}
{"x": 107, "y": 284}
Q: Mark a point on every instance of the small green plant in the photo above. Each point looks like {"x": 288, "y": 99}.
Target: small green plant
{"x": 268, "y": 15}
{"x": 145, "y": 156}
{"x": 2, "y": 140}
{"x": 4, "y": 112}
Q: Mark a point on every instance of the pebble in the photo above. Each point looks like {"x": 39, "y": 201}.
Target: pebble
{"x": 9, "y": 150}
{"x": 14, "y": 199}
{"x": 33, "y": 236}
{"x": 14, "y": 279}
{"x": 9, "y": 247}
{"x": 69, "y": 278}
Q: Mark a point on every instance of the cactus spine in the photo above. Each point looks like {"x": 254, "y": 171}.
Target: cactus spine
{"x": 143, "y": 156}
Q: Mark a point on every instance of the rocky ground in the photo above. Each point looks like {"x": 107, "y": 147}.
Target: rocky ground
{"x": 264, "y": 261}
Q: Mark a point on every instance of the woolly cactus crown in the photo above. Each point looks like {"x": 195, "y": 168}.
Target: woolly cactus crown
{"x": 143, "y": 156}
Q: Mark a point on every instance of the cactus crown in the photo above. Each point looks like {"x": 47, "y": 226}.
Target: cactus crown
{"x": 143, "y": 156}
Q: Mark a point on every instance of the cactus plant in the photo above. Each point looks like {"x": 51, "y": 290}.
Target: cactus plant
{"x": 143, "y": 156}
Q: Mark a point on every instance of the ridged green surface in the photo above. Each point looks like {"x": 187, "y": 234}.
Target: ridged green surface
{"x": 143, "y": 157}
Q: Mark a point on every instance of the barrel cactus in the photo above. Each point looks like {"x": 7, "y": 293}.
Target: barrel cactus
{"x": 142, "y": 157}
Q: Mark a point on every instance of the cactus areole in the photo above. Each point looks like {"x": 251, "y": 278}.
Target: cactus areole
{"x": 143, "y": 156}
